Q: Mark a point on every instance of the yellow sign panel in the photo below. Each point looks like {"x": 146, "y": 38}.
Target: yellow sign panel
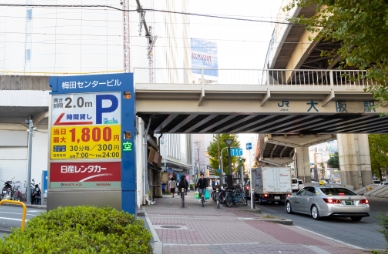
{"x": 85, "y": 142}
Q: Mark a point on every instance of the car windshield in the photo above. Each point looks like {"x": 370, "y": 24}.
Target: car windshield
{"x": 294, "y": 181}
{"x": 337, "y": 192}
{"x": 376, "y": 181}
{"x": 300, "y": 182}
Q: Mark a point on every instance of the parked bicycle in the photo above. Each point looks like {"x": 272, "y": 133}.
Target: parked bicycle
{"x": 235, "y": 197}
{"x": 35, "y": 192}
{"x": 16, "y": 194}
{"x": 217, "y": 198}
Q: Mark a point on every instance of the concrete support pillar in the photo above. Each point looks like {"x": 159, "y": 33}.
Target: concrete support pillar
{"x": 303, "y": 164}
{"x": 354, "y": 160}
{"x": 158, "y": 188}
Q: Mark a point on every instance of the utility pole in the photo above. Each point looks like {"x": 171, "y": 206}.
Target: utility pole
{"x": 30, "y": 132}
{"x": 219, "y": 161}
{"x": 151, "y": 39}
{"x": 125, "y": 4}
{"x": 198, "y": 164}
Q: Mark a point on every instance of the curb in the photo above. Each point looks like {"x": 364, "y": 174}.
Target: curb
{"x": 254, "y": 210}
{"x": 284, "y": 222}
{"x": 158, "y": 245}
{"x": 28, "y": 206}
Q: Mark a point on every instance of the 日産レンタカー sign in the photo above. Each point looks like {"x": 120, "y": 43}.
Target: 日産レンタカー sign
{"x": 85, "y": 142}
{"x": 85, "y": 174}
{"x": 86, "y": 109}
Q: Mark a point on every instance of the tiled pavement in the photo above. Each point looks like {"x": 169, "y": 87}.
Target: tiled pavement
{"x": 197, "y": 229}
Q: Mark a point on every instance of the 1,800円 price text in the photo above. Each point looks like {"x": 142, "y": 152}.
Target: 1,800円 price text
{"x": 85, "y": 142}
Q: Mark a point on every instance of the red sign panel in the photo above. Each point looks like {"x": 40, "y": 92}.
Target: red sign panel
{"x": 85, "y": 172}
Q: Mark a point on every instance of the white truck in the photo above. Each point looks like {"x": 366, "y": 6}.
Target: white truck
{"x": 271, "y": 184}
{"x": 296, "y": 184}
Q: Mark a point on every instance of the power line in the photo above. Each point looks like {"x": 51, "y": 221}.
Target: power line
{"x": 147, "y": 9}
{"x": 65, "y": 6}
{"x": 137, "y": 36}
{"x": 119, "y": 21}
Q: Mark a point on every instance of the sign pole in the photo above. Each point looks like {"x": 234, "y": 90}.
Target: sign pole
{"x": 249, "y": 148}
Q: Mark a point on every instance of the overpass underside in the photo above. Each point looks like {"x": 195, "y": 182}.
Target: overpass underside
{"x": 294, "y": 49}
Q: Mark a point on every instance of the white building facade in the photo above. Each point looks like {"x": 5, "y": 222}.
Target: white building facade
{"x": 88, "y": 39}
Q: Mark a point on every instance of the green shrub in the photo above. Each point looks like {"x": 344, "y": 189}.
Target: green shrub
{"x": 167, "y": 192}
{"x": 382, "y": 221}
{"x": 191, "y": 186}
{"x": 80, "y": 229}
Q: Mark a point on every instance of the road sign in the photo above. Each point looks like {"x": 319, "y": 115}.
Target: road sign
{"x": 249, "y": 146}
{"x": 92, "y": 139}
{"x": 85, "y": 142}
{"x": 86, "y": 126}
{"x": 236, "y": 152}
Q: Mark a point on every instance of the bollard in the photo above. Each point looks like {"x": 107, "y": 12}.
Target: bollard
{"x": 218, "y": 198}
{"x": 253, "y": 199}
{"x": 183, "y": 197}
{"x": 18, "y": 203}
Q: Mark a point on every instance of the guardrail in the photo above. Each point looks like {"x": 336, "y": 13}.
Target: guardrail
{"x": 17, "y": 203}
{"x": 254, "y": 77}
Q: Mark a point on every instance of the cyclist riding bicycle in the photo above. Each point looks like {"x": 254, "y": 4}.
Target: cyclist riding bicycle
{"x": 183, "y": 184}
{"x": 201, "y": 184}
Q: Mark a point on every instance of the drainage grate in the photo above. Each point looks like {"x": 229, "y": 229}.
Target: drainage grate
{"x": 170, "y": 227}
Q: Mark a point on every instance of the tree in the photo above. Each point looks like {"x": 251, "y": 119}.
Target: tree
{"x": 212, "y": 150}
{"x": 361, "y": 27}
{"x": 378, "y": 147}
{"x": 334, "y": 161}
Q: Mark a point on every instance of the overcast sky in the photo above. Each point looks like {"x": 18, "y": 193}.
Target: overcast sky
{"x": 241, "y": 44}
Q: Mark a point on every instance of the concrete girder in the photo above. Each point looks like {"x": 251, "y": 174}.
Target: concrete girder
{"x": 12, "y": 127}
{"x": 38, "y": 117}
{"x": 273, "y": 149}
{"x": 279, "y": 162}
{"x": 298, "y": 140}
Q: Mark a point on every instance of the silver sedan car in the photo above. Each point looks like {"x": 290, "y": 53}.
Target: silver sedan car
{"x": 325, "y": 201}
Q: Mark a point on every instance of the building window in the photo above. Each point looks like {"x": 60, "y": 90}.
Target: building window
{"x": 29, "y": 15}
{"x": 28, "y": 54}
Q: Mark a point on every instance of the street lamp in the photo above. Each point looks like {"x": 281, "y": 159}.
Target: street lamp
{"x": 30, "y": 133}
{"x": 229, "y": 178}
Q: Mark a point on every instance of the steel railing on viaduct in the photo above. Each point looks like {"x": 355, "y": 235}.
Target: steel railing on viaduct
{"x": 254, "y": 77}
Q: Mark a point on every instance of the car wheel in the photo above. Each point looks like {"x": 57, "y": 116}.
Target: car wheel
{"x": 288, "y": 207}
{"x": 260, "y": 200}
{"x": 315, "y": 213}
{"x": 356, "y": 218}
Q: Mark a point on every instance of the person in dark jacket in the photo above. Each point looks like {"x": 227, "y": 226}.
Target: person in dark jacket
{"x": 183, "y": 184}
{"x": 202, "y": 184}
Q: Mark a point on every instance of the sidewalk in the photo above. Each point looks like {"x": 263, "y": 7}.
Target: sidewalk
{"x": 208, "y": 230}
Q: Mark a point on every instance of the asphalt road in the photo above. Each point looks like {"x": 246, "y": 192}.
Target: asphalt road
{"x": 11, "y": 216}
{"x": 363, "y": 233}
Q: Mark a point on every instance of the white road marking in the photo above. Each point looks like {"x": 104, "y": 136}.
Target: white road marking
{"x": 18, "y": 213}
{"x": 6, "y": 218}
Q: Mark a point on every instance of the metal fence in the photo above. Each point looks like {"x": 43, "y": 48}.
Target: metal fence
{"x": 254, "y": 77}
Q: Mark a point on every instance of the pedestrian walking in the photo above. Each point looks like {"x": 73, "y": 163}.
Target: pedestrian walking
{"x": 172, "y": 186}
{"x": 163, "y": 188}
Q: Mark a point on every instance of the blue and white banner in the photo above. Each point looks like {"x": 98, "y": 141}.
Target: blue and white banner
{"x": 204, "y": 56}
